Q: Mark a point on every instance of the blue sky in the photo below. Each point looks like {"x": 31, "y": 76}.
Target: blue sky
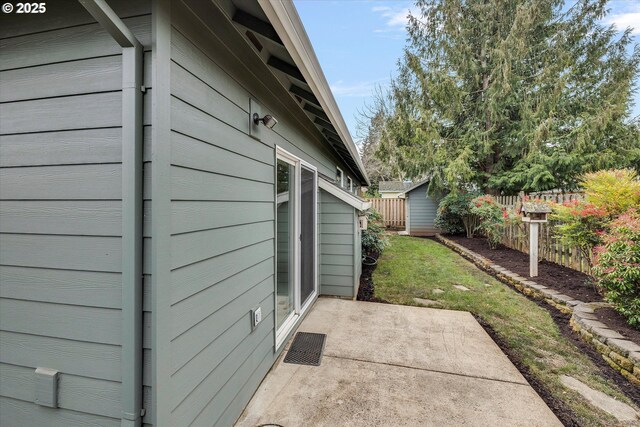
{"x": 358, "y": 43}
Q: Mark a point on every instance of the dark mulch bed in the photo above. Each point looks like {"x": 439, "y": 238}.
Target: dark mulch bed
{"x": 606, "y": 371}
{"x": 618, "y": 323}
{"x": 365, "y": 290}
{"x": 561, "y": 319}
{"x": 565, "y": 280}
{"x": 562, "y": 411}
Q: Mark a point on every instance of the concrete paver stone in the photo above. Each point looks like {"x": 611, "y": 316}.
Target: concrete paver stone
{"x": 623, "y": 412}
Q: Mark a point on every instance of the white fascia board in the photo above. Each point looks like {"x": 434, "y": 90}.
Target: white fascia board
{"x": 283, "y": 16}
{"x": 343, "y": 195}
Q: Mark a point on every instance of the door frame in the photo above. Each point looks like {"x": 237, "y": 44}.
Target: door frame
{"x": 299, "y": 309}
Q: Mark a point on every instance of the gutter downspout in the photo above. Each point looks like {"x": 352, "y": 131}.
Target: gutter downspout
{"x": 132, "y": 209}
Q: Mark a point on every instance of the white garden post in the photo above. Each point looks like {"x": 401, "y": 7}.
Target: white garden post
{"x": 533, "y": 249}
{"x": 534, "y": 213}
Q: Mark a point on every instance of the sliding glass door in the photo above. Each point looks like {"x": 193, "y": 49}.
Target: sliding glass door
{"x": 285, "y": 225}
{"x": 307, "y": 234}
{"x": 296, "y": 230}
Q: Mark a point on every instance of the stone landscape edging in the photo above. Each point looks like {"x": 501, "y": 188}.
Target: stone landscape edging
{"x": 621, "y": 354}
{"x": 528, "y": 287}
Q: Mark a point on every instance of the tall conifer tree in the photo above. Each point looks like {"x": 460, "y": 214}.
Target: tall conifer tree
{"x": 510, "y": 95}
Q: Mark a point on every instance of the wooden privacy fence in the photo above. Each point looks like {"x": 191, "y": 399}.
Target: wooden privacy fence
{"x": 393, "y": 211}
{"x": 516, "y": 235}
{"x": 549, "y": 196}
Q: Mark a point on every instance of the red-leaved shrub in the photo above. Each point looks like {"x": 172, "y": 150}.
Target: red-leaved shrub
{"x": 617, "y": 265}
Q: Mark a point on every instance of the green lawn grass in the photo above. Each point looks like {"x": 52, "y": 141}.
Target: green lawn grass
{"x": 413, "y": 267}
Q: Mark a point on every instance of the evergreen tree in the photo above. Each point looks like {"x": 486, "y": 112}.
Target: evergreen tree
{"x": 510, "y": 95}
{"x": 371, "y": 129}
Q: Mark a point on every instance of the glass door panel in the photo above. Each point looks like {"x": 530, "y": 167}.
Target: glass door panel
{"x": 307, "y": 234}
{"x": 285, "y": 257}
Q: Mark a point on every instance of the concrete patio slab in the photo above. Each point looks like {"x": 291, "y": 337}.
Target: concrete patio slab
{"x": 439, "y": 340}
{"x": 389, "y": 365}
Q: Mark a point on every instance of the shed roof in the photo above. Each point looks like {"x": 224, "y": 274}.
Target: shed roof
{"x": 393, "y": 186}
{"x": 417, "y": 185}
{"x": 283, "y": 44}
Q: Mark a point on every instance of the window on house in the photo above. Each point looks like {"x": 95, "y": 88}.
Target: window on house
{"x": 339, "y": 177}
{"x": 350, "y": 184}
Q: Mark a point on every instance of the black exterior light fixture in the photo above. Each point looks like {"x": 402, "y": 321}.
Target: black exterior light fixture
{"x": 268, "y": 120}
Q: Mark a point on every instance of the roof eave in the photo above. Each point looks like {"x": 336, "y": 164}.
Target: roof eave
{"x": 413, "y": 187}
{"x": 285, "y": 19}
{"x": 343, "y": 195}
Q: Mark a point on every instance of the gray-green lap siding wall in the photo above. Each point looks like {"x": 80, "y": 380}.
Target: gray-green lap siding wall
{"x": 339, "y": 250}
{"x": 422, "y": 210}
{"x": 60, "y": 212}
{"x": 222, "y": 210}
{"x": 60, "y": 215}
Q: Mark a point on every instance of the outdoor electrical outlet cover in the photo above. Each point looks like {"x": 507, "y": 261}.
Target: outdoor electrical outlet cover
{"x": 256, "y": 317}
{"x": 47, "y": 387}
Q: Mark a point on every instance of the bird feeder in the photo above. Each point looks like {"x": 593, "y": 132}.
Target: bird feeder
{"x": 534, "y": 213}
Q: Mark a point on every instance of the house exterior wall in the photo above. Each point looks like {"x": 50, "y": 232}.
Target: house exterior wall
{"x": 212, "y": 255}
{"x": 60, "y": 212}
{"x": 422, "y": 210}
{"x": 338, "y": 253}
{"x": 223, "y": 232}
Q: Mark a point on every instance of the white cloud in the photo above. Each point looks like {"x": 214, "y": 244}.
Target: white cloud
{"x": 628, "y": 17}
{"x": 380, "y": 8}
{"x": 396, "y": 17}
{"x": 358, "y": 89}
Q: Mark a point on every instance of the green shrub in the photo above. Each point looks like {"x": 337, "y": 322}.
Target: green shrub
{"x": 373, "y": 240}
{"x": 615, "y": 190}
{"x": 580, "y": 224}
{"x": 454, "y": 214}
{"x": 617, "y": 265}
{"x": 491, "y": 217}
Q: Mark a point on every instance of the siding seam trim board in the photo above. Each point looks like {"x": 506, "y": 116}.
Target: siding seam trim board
{"x": 221, "y": 280}
{"x": 177, "y": 165}
{"x": 205, "y": 83}
{"x": 67, "y": 27}
{"x": 66, "y": 61}
{"x": 218, "y": 119}
{"x": 240, "y": 224}
{"x": 71, "y": 95}
{"x": 59, "y": 130}
{"x": 199, "y": 321}
{"x": 214, "y": 145}
{"x": 57, "y": 164}
{"x": 221, "y": 254}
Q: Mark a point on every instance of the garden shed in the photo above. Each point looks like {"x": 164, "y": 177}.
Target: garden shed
{"x": 421, "y": 210}
{"x": 169, "y": 207}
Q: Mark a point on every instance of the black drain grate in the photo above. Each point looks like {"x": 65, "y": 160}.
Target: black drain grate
{"x": 306, "y": 349}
